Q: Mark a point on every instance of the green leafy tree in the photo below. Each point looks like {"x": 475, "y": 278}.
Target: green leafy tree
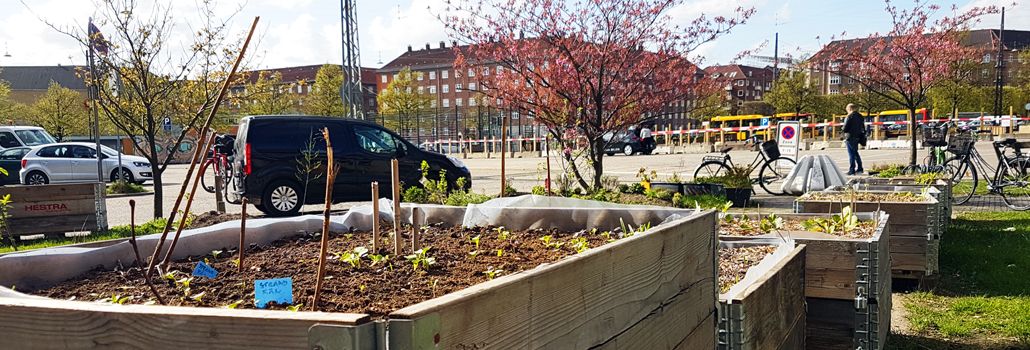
{"x": 61, "y": 112}
{"x": 6, "y": 105}
{"x": 792, "y": 93}
{"x": 267, "y": 95}
{"x": 756, "y": 107}
{"x": 402, "y": 99}
{"x": 956, "y": 92}
{"x": 324, "y": 98}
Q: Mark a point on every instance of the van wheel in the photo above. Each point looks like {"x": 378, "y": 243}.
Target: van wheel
{"x": 36, "y": 178}
{"x": 282, "y": 198}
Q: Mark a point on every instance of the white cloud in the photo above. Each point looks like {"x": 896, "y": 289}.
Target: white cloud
{"x": 414, "y": 25}
{"x": 1016, "y": 17}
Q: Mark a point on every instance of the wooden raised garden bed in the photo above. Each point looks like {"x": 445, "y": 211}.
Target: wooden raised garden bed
{"x": 913, "y": 225}
{"x": 944, "y": 186}
{"x": 845, "y": 268}
{"x": 766, "y": 311}
{"x": 654, "y": 288}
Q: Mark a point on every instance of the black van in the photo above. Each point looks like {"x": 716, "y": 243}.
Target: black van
{"x": 270, "y": 158}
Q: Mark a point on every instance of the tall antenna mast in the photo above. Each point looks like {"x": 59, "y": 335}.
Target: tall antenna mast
{"x": 351, "y": 91}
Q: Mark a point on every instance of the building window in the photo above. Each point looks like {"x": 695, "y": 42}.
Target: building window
{"x": 740, "y": 93}
{"x": 432, "y": 103}
{"x": 472, "y": 101}
{"x": 987, "y": 58}
{"x": 407, "y": 90}
{"x": 446, "y": 88}
{"x": 984, "y": 73}
{"x": 499, "y": 69}
{"x": 394, "y": 76}
{"x": 432, "y": 75}
{"x": 446, "y": 103}
{"x": 300, "y": 89}
{"x": 486, "y": 71}
{"x": 383, "y": 78}
{"x": 309, "y": 89}
{"x": 740, "y": 83}
{"x": 443, "y": 74}
{"x": 472, "y": 86}
{"x": 420, "y": 89}
{"x": 472, "y": 72}
{"x": 834, "y": 79}
{"x": 457, "y": 87}
{"x": 457, "y": 102}
{"x": 432, "y": 89}
{"x": 834, "y": 91}
{"x": 420, "y": 74}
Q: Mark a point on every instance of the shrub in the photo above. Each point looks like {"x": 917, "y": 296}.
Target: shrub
{"x": 123, "y": 187}
{"x": 540, "y": 190}
{"x": 415, "y": 194}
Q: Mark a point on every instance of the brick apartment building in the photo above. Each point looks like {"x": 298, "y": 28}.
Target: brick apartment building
{"x": 741, "y": 83}
{"x": 1014, "y": 42}
{"x": 455, "y": 107}
{"x": 300, "y": 79}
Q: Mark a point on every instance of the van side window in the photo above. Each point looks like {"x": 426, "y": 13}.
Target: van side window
{"x": 375, "y": 140}
{"x": 7, "y": 140}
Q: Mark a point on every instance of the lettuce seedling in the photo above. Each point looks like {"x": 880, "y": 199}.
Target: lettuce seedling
{"x": 492, "y": 272}
{"x": 421, "y": 259}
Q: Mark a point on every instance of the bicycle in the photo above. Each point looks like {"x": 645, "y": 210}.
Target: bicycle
{"x": 1010, "y": 178}
{"x": 774, "y": 168}
{"x": 219, "y": 164}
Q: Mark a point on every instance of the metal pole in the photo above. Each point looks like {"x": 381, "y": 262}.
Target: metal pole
{"x": 100, "y": 200}
{"x": 999, "y": 68}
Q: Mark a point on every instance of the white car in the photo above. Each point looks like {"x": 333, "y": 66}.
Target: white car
{"x": 77, "y": 162}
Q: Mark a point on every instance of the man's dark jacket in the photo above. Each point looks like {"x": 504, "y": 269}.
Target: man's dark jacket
{"x": 854, "y": 128}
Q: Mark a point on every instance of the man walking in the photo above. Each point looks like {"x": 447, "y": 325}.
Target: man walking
{"x": 854, "y": 135}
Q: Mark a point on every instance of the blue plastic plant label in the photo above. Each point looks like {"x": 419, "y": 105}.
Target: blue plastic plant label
{"x": 279, "y": 290}
{"x": 205, "y": 270}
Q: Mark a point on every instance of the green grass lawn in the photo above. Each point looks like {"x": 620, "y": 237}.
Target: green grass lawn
{"x": 153, "y": 226}
{"x": 982, "y": 299}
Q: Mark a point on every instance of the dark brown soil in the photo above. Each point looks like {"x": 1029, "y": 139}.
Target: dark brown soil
{"x": 734, "y": 262}
{"x": 741, "y": 226}
{"x": 212, "y": 218}
{"x": 376, "y": 290}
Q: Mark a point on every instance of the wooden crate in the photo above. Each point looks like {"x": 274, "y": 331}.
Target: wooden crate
{"x": 909, "y": 184}
{"x": 847, "y": 325}
{"x": 838, "y": 267}
{"x": 769, "y": 313}
{"x": 40, "y": 323}
{"x": 651, "y": 291}
{"x": 913, "y": 229}
{"x": 59, "y": 208}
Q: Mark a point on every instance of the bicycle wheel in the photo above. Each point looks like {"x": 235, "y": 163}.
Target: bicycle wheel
{"x": 963, "y": 179}
{"x": 711, "y": 169}
{"x": 207, "y": 179}
{"x": 1015, "y": 184}
{"x": 773, "y": 173}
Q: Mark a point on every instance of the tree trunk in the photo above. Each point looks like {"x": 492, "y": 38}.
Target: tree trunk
{"x": 912, "y": 135}
{"x": 596, "y": 161}
{"x": 158, "y": 190}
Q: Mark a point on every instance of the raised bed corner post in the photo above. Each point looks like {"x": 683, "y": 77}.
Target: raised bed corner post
{"x": 201, "y": 149}
{"x": 396, "y": 184}
{"x": 186, "y": 211}
{"x": 330, "y": 177}
{"x": 243, "y": 233}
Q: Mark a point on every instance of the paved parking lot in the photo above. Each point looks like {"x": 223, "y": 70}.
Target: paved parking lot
{"x": 525, "y": 173}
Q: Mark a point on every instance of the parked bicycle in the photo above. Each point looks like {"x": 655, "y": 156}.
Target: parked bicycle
{"x": 1009, "y": 178}
{"x": 774, "y": 168}
{"x": 219, "y": 165}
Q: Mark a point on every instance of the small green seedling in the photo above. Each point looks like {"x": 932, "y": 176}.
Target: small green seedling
{"x": 475, "y": 241}
{"x": 579, "y": 244}
{"x": 770, "y": 223}
{"x": 421, "y": 259}
{"x": 550, "y": 242}
{"x": 216, "y": 253}
{"x": 492, "y": 272}
{"x": 294, "y": 308}
{"x": 500, "y": 252}
{"x": 116, "y": 299}
{"x": 234, "y": 304}
{"x": 199, "y": 296}
{"x": 502, "y": 234}
{"x": 354, "y": 256}
{"x": 183, "y": 285}
{"x": 378, "y": 258}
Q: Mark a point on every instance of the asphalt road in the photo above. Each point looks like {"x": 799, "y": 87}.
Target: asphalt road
{"x": 524, "y": 172}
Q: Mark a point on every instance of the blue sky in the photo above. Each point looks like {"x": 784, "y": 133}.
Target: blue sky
{"x": 304, "y": 32}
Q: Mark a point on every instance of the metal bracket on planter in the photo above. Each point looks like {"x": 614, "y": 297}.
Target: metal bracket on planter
{"x": 730, "y": 320}
{"x": 343, "y": 337}
{"x": 861, "y": 301}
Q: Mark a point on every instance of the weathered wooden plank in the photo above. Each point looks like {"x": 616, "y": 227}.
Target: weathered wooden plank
{"x": 700, "y": 338}
{"x": 830, "y": 283}
{"x": 49, "y": 191}
{"x": 56, "y": 224}
{"x": 578, "y": 302}
{"x": 653, "y": 332}
{"x": 771, "y": 306}
{"x": 30, "y": 323}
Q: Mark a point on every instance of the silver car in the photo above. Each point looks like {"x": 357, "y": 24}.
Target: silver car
{"x": 77, "y": 162}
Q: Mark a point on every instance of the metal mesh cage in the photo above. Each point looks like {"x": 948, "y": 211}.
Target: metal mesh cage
{"x": 961, "y": 143}
{"x": 935, "y": 137}
{"x": 771, "y": 149}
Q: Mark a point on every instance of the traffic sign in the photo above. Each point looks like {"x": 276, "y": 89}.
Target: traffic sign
{"x": 167, "y": 124}
{"x": 1027, "y": 107}
{"x": 789, "y": 139}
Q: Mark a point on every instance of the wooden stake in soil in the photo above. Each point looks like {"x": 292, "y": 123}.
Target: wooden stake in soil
{"x": 201, "y": 148}
{"x": 375, "y": 217}
{"x": 396, "y": 183}
{"x": 547, "y": 152}
{"x": 415, "y": 231}
{"x": 132, "y": 232}
{"x": 504, "y": 149}
{"x": 330, "y": 177}
{"x": 186, "y": 211}
{"x": 243, "y": 233}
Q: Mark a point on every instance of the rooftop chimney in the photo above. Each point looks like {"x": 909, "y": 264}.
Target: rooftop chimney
{"x": 427, "y": 46}
{"x": 442, "y": 45}
{"x": 409, "y": 48}
{"x": 454, "y": 43}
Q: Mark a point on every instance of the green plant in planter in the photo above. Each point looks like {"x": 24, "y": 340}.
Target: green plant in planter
{"x": 843, "y": 222}
{"x": 738, "y": 177}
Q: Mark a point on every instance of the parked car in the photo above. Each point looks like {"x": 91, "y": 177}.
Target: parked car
{"x": 270, "y": 159}
{"x": 630, "y": 142}
{"x": 23, "y": 136}
{"x": 77, "y": 162}
{"x": 10, "y": 161}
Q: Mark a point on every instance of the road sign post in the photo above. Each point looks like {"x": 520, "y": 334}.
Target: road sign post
{"x": 789, "y": 138}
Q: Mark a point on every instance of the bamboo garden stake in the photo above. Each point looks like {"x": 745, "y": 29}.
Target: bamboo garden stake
{"x": 415, "y": 231}
{"x": 331, "y": 172}
{"x": 243, "y": 233}
{"x": 396, "y": 183}
{"x": 132, "y": 232}
{"x": 375, "y": 217}
{"x": 504, "y": 149}
{"x": 186, "y": 211}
